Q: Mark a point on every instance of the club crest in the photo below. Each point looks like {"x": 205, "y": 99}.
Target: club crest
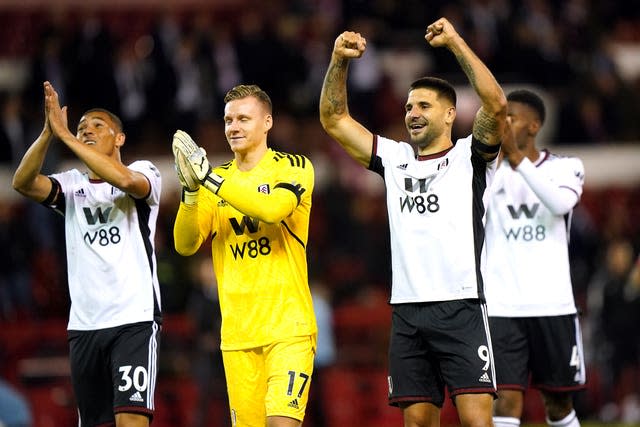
{"x": 264, "y": 188}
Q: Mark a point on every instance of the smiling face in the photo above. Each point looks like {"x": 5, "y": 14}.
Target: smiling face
{"x": 428, "y": 116}
{"x": 246, "y": 124}
{"x": 98, "y": 130}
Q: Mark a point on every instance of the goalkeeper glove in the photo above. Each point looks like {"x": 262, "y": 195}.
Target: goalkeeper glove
{"x": 183, "y": 142}
{"x": 183, "y": 170}
{"x": 197, "y": 165}
{"x": 190, "y": 183}
{"x": 201, "y": 168}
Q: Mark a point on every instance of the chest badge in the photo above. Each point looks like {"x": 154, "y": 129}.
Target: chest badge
{"x": 443, "y": 164}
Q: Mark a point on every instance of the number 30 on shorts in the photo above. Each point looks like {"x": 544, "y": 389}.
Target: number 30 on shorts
{"x": 138, "y": 378}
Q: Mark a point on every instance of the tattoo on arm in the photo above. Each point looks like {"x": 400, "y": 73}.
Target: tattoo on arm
{"x": 335, "y": 88}
{"x": 468, "y": 70}
{"x": 485, "y": 127}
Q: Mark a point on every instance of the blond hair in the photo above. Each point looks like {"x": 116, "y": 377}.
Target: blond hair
{"x": 243, "y": 91}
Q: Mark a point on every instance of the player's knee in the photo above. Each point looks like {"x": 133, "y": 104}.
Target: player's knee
{"x": 478, "y": 418}
{"x": 131, "y": 420}
{"x": 508, "y": 404}
{"x": 475, "y": 410}
{"x": 557, "y": 405}
{"x": 420, "y": 414}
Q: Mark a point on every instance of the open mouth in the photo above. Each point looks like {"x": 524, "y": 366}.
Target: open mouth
{"x": 416, "y": 127}
{"x": 89, "y": 142}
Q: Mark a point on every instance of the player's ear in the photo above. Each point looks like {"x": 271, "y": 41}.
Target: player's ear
{"x": 120, "y": 138}
{"x": 450, "y": 115}
{"x": 534, "y": 127}
{"x": 268, "y": 122}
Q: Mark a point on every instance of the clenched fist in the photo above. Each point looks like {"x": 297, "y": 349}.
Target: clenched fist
{"x": 350, "y": 45}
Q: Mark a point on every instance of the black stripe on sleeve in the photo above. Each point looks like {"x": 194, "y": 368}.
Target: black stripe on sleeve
{"x": 295, "y": 189}
{"x": 482, "y": 148}
{"x": 55, "y": 200}
{"x": 55, "y": 190}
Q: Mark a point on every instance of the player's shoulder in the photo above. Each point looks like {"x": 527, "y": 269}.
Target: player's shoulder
{"x": 465, "y": 141}
{"x": 390, "y": 147}
{"x": 563, "y": 161}
{"x": 561, "y": 165}
{"x": 75, "y": 173}
{"x": 224, "y": 168}
{"x": 144, "y": 166}
{"x": 70, "y": 177}
{"x": 292, "y": 160}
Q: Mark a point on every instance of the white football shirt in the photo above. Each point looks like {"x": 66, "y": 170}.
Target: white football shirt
{"x": 527, "y": 244}
{"x": 110, "y": 250}
{"x": 436, "y": 215}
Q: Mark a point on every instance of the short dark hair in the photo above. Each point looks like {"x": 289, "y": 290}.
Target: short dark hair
{"x": 115, "y": 119}
{"x": 243, "y": 91}
{"x": 443, "y": 87}
{"x": 530, "y": 99}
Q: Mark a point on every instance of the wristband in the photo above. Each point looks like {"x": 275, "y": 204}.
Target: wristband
{"x": 212, "y": 182}
{"x": 189, "y": 197}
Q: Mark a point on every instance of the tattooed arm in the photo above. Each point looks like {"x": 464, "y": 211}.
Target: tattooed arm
{"x": 490, "y": 118}
{"x": 334, "y": 112}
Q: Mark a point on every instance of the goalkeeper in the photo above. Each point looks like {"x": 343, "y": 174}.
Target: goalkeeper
{"x": 255, "y": 208}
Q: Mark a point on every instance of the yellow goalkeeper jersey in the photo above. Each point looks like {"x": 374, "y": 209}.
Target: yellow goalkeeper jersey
{"x": 258, "y": 225}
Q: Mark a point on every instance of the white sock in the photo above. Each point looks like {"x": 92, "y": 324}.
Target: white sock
{"x": 506, "y": 422}
{"x": 570, "y": 420}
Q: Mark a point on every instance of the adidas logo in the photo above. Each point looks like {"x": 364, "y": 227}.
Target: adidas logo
{"x": 136, "y": 397}
{"x": 484, "y": 378}
{"x": 293, "y": 404}
{"x": 403, "y": 166}
{"x": 222, "y": 203}
{"x": 80, "y": 193}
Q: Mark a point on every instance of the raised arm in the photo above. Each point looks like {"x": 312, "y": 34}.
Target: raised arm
{"x": 490, "y": 118}
{"x": 108, "y": 168}
{"x": 334, "y": 112}
{"x": 27, "y": 179}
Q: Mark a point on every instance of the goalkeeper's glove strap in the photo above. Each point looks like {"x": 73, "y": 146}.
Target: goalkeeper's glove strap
{"x": 212, "y": 181}
{"x": 189, "y": 197}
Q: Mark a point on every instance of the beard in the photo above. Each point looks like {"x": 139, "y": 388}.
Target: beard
{"x": 424, "y": 139}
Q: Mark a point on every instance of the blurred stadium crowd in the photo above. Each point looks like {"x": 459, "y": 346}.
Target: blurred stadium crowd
{"x": 166, "y": 65}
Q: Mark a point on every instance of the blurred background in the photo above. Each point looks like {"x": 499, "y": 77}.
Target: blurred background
{"x": 162, "y": 65}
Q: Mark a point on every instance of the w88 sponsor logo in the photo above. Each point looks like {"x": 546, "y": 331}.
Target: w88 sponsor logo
{"x": 104, "y": 236}
{"x": 527, "y": 233}
{"x": 420, "y": 204}
{"x": 252, "y": 248}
